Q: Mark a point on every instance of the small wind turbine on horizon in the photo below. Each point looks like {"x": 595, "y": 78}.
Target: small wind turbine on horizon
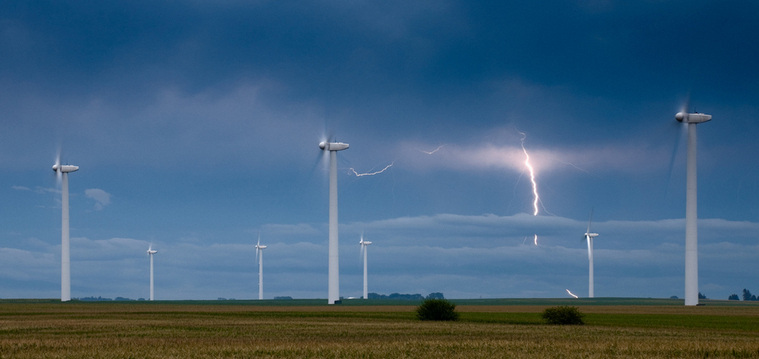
{"x": 151, "y": 252}
{"x": 62, "y": 172}
{"x": 260, "y": 259}
{"x": 589, "y": 238}
{"x": 691, "y": 205}
{"x": 333, "y": 285}
{"x": 364, "y": 248}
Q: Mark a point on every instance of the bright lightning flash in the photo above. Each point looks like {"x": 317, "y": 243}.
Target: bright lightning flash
{"x": 532, "y": 176}
{"x": 532, "y": 180}
{"x": 372, "y": 173}
{"x": 572, "y": 294}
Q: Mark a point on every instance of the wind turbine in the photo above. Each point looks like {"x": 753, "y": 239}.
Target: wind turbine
{"x": 151, "y": 252}
{"x": 691, "y": 206}
{"x": 589, "y": 238}
{"x": 333, "y": 287}
{"x": 363, "y": 244}
{"x": 62, "y": 172}
{"x": 260, "y": 258}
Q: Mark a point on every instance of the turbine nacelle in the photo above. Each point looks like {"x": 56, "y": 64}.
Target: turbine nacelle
{"x": 692, "y": 117}
{"x": 591, "y": 235}
{"x": 65, "y": 168}
{"x": 333, "y": 146}
{"x": 260, "y": 246}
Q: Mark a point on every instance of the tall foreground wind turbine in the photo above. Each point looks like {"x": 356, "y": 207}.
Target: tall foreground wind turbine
{"x": 333, "y": 292}
{"x": 589, "y": 238}
{"x": 151, "y": 252}
{"x": 62, "y": 172}
{"x": 691, "y": 207}
{"x": 260, "y": 257}
{"x": 364, "y": 244}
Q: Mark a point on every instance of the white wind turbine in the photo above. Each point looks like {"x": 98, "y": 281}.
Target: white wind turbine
{"x": 691, "y": 206}
{"x": 260, "y": 259}
{"x": 62, "y": 172}
{"x": 333, "y": 287}
{"x": 364, "y": 244}
{"x": 151, "y": 252}
{"x": 589, "y": 238}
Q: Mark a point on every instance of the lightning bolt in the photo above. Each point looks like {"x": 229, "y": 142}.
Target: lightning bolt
{"x": 530, "y": 169}
{"x": 372, "y": 173}
{"x": 532, "y": 176}
{"x": 433, "y": 151}
{"x": 572, "y": 294}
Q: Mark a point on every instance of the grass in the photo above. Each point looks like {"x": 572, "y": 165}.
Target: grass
{"x": 371, "y": 329}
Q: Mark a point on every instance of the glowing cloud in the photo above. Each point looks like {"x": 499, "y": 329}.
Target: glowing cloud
{"x": 102, "y": 198}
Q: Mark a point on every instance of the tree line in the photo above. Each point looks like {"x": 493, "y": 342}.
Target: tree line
{"x": 435, "y": 295}
{"x": 747, "y": 296}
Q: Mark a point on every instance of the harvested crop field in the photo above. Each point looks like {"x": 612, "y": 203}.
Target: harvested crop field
{"x": 46, "y": 329}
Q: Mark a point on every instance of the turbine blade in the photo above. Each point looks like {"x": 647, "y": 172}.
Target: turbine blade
{"x": 590, "y": 219}
{"x": 362, "y": 249}
{"x": 686, "y": 104}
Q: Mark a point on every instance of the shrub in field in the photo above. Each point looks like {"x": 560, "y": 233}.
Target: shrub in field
{"x": 564, "y": 315}
{"x": 437, "y": 309}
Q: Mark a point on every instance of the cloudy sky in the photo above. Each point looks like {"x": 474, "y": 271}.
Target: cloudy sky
{"x": 195, "y": 125}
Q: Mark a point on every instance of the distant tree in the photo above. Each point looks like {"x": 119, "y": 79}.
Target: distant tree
{"x": 563, "y": 315}
{"x": 701, "y": 296}
{"x": 435, "y": 295}
{"x": 437, "y": 309}
{"x": 674, "y": 297}
{"x": 747, "y": 295}
{"x": 733, "y": 297}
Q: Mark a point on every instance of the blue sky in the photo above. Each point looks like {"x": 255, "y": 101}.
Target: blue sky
{"x": 196, "y": 127}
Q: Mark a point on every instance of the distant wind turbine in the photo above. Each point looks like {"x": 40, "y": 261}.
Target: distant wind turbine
{"x": 589, "y": 238}
{"x": 333, "y": 288}
{"x": 260, "y": 258}
{"x": 691, "y": 204}
{"x": 151, "y": 252}
{"x": 62, "y": 172}
{"x": 364, "y": 248}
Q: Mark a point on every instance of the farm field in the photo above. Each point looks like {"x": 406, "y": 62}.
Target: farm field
{"x": 501, "y": 328}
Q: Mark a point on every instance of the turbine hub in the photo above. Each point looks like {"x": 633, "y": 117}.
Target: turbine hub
{"x": 692, "y": 117}
{"x": 65, "y": 168}
{"x": 333, "y": 146}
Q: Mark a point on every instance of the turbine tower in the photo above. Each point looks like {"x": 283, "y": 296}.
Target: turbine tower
{"x": 260, "y": 258}
{"x": 151, "y": 252}
{"x": 589, "y": 238}
{"x": 333, "y": 292}
{"x": 62, "y": 172}
{"x": 691, "y": 207}
{"x": 364, "y": 244}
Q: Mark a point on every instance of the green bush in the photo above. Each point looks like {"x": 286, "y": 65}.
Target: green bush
{"x": 437, "y": 309}
{"x": 564, "y": 315}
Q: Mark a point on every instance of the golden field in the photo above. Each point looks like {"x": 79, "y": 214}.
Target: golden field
{"x": 248, "y": 329}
